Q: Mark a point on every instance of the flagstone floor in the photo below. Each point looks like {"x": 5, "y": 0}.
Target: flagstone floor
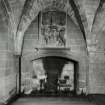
{"x": 52, "y": 101}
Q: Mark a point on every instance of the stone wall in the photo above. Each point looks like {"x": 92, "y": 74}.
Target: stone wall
{"x": 92, "y": 13}
{"x": 8, "y": 71}
{"x": 96, "y": 62}
{"x": 75, "y": 43}
{"x": 93, "y": 66}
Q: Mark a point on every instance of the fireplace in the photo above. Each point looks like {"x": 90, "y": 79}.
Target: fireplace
{"x": 51, "y": 75}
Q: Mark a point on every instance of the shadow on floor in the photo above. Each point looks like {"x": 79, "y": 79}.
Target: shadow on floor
{"x": 98, "y": 99}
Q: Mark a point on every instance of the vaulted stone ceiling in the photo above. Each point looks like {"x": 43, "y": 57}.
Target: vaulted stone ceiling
{"x": 89, "y": 15}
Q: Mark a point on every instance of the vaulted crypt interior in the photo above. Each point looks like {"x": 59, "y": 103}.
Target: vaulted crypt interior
{"x": 49, "y": 34}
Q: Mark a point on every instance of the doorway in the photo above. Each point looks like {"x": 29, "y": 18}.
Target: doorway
{"x": 51, "y": 76}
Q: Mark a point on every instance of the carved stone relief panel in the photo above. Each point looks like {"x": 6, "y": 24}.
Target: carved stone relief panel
{"x": 53, "y": 28}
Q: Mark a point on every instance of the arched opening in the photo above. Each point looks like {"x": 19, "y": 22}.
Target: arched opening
{"x": 51, "y": 76}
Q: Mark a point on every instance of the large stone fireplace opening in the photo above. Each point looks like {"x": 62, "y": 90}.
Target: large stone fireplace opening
{"x": 51, "y": 75}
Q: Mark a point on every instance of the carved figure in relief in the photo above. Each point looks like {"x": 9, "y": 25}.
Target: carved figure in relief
{"x": 53, "y": 28}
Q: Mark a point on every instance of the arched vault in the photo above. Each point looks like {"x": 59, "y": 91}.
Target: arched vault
{"x": 87, "y": 14}
{"x": 31, "y": 10}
